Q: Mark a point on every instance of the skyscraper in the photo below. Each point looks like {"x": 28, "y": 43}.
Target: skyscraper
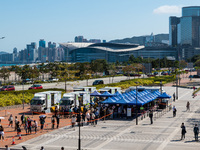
{"x": 186, "y": 29}
{"x": 42, "y": 43}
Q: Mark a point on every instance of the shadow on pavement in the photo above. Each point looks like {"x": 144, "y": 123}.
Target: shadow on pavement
{"x": 190, "y": 141}
{"x": 176, "y": 140}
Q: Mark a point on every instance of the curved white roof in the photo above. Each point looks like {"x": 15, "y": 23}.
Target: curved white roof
{"x": 118, "y": 50}
{"x": 75, "y": 45}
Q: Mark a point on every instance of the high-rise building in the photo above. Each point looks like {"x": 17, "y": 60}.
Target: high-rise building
{"x": 95, "y": 41}
{"x": 186, "y": 29}
{"x": 42, "y": 43}
{"x": 173, "y": 30}
{"x": 78, "y": 39}
{"x": 32, "y": 52}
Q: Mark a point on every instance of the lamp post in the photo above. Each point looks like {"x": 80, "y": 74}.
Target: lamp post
{"x": 161, "y": 87}
{"x": 23, "y": 93}
{"x": 79, "y": 127}
{"x": 176, "y": 86}
{"x": 136, "y": 107}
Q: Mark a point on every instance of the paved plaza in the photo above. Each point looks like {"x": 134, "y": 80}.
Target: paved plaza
{"x": 163, "y": 134}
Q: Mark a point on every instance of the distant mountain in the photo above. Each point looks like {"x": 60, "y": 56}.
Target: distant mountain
{"x": 141, "y": 39}
{"x": 1, "y": 52}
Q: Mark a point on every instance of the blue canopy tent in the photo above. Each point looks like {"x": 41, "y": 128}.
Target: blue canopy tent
{"x": 116, "y": 93}
{"x": 109, "y": 101}
{"x": 164, "y": 95}
{"x": 122, "y": 101}
{"x": 139, "y": 102}
{"x": 106, "y": 94}
{"x": 95, "y": 93}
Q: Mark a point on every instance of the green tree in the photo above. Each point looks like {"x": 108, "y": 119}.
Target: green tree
{"x": 4, "y": 73}
{"x": 128, "y": 69}
{"x": 65, "y": 74}
{"x": 112, "y": 70}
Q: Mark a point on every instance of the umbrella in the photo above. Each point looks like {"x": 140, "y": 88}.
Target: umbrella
{"x": 42, "y": 116}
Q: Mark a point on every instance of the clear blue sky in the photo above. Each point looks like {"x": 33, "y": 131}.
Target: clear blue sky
{"x": 26, "y": 21}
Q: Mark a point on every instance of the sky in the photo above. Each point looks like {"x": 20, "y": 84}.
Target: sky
{"x": 26, "y": 21}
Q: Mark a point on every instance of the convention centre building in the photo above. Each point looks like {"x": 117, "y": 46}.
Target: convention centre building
{"x": 112, "y": 52}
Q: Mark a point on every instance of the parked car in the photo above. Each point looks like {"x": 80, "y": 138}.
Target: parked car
{"x": 135, "y": 75}
{"x": 190, "y": 76}
{"x": 35, "y": 86}
{"x": 97, "y": 82}
{"x": 196, "y": 76}
{"x": 27, "y": 81}
{"x": 155, "y": 73}
{"x": 53, "y": 79}
{"x": 8, "y": 88}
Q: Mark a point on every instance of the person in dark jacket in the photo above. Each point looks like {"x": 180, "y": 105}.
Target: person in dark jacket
{"x": 58, "y": 120}
{"x": 151, "y": 116}
{"x": 183, "y": 131}
{"x": 196, "y": 132}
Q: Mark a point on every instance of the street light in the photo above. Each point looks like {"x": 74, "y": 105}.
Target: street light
{"x": 79, "y": 126}
{"x": 176, "y": 86}
{"x": 161, "y": 87}
{"x": 136, "y": 106}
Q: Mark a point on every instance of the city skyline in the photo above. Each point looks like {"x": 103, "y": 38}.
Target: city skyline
{"x": 23, "y": 22}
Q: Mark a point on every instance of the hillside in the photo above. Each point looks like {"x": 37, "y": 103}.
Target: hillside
{"x": 141, "y": 39}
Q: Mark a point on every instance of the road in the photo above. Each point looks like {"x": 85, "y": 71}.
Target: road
{"x": 71, "y": 84}
{"x": 163, "y": 134}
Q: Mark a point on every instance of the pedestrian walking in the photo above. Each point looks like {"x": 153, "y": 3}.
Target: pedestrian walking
{"x": 29, "y": 125}
{"x": 1, "y": 132}
{"x": 35, "y": 126}
{"x": 7, "y": 148}
{"x": 22, "y": 118}
{"x": 18, "y": 131}
{"x": 183, "y": 131}
{"x": 88, "y": 118}
{"x": 42, "y": 121}
{"x": 42, "y": 148}
{"x": 53, "y": 121}
{"x": 73, "y": 121}
{"x": 151, "y": 116}
{"x": 174, "y": 111}
{"x": 194, "y": 88}
{"x": 96, "y": 116}
{"x": 26, "y": 126}
{"x": 92, "y": 118}
{"x": 10, "y": 121}
{"x": 16, "y": 123}
{"x": 58, "y": 120}
{"x": 188, "y": 106}
{"x": 196, "y": 132}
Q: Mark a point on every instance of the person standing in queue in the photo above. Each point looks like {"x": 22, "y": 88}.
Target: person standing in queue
{"x": 58, "y": 120}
